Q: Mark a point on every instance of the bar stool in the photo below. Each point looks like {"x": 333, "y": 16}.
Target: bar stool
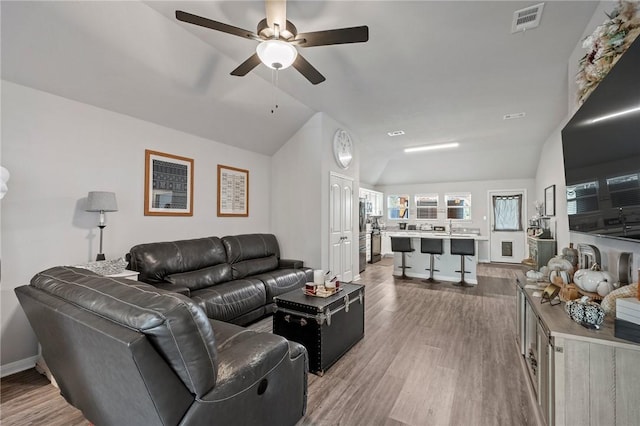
{"x": 402, "y": 245}
{"x": 463, "y": 247}
{"x": 431, "y": 246}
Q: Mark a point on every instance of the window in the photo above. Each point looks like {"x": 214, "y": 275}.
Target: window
{"x": 426, "y": 206}
{"x": 582, "y": 198}
{"x": 398, "y": 206}
{"x": 458, "y": 206}
{"x": 507, "y": 211}
{"x": 624, "y": 190}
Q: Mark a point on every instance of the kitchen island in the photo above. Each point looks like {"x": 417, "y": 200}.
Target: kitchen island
{"x": 447, "y": 264}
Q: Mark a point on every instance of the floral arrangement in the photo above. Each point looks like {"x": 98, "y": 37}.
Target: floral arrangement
{"x": 606, "y": 45}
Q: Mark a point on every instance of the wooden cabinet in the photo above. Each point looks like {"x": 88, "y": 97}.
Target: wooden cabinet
{"x": 578, "y": 376}
{"x": 541, "y": 250}
{"x": 600, "y": 383}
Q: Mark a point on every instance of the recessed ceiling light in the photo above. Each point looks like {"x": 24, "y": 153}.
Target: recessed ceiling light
{"x": 432, "y": 147}
{"x": 396, "y": 133}
{"x": 514, "y": 115}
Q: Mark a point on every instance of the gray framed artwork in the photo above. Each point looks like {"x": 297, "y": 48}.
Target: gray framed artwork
{"x": 550, "y": 200}
{"x": 168, "y": 184}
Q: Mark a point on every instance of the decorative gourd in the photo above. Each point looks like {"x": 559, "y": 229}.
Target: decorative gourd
{"x": 585, "y": 312}
{"x": 604, "y": 288}
{"x": 559, "y": 274}
{"x": 558, "y": 263}
{"x": 589, "y": 280}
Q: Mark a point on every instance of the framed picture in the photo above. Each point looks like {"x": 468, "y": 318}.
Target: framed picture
{"x": 168, "y": 185}
{"x": 550, "y": 200}
{"x": 233, "y": 191}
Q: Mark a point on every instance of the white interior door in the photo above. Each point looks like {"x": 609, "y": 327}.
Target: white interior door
{"x": 341, "y": 227}
{"x": 507, "y": 233}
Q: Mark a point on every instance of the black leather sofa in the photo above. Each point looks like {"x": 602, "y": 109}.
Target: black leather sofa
{"x": 233, "y": 279}
{"x": 128, "y": 353}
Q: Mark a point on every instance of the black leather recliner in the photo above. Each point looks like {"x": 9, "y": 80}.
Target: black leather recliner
{"x": 233, "y": 279}
{"x": 131, "y": 354}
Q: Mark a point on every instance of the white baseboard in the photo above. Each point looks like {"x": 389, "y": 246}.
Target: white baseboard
{"x": 17, "y": 366}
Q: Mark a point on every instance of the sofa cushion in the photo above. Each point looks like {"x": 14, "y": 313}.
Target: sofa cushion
{"x": 178, "y": 328}
{"x": 201, "y": 278}
{"x": 281, "y": 281}
{"x": 229, "y": 300}
{"x": 251, "y": 254}
{"x": 156, "y": 261}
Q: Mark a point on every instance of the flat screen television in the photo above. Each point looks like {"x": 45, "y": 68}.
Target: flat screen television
{"x": 601, "y": 146}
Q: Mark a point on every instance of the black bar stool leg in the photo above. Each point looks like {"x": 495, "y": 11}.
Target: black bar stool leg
{"x": 462, "y": 282}
{"x": 404, "y": 266}
{"x": 431, "y": 270}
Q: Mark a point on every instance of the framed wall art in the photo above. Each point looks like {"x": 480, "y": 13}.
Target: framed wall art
{"x": 233, "y": 191}
{"x": 168, "y": 185}
{"x": 550, "y": 200}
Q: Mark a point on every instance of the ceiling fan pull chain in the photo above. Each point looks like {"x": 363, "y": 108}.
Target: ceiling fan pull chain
{"x": 274, "y": 85}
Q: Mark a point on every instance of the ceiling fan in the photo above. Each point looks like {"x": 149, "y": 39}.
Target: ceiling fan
{"x": 278, "y": 40}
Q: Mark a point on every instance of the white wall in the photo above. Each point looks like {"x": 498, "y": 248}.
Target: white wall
{"x": 480, "y": 207}
{"x": 551, "y": 172}
{"x": 296, "y": 200}
{"x": 300, "y": 179}
{"x": 57, "y": 151}
{"x": 551, "y": 166}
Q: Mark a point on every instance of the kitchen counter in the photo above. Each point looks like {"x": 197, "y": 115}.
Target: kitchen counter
{"x": 432, "y": 234}
{"x": 446, "y": 263}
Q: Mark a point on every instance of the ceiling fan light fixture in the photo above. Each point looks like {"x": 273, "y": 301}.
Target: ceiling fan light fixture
{"x": 276, "y": 54}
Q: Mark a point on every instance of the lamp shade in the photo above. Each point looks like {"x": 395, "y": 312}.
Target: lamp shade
{"x": 100, "y": 201}
{"x": 276, "y": 54}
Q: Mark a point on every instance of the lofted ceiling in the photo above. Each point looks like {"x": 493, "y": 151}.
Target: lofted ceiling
{"x": 438, "y": 70}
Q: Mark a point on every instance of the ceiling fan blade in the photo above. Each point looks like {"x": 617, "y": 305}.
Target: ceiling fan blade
{"x": 307, "y": 70}
{"x": 215, "y": 25}
{"x": 276, "y": 13}
{"x": 338, "y": 36}
{"x": 244, "y": 68}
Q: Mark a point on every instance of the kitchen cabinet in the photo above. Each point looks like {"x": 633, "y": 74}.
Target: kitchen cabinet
{"x": 385, "y": 249}
{"x": 373, "y": 200}
{"x": 578, "y": 376}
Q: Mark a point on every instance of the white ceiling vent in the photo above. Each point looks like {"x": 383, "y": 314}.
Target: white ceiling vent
{"x": 527, "y": 18}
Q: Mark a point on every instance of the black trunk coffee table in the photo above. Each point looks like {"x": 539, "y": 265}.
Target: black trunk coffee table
{"x": 327, "y": 327}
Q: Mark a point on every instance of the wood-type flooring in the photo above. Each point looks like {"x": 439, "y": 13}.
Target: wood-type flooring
{"x": 433, "y": 354}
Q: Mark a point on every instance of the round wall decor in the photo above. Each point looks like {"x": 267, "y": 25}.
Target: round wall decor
{"x": 343, "y": 148}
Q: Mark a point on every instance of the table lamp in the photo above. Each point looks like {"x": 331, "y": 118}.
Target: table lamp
{"x": 100, "y": 201}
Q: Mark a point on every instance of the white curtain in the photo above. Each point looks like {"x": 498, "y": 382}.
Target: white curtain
{"x": 507, "y": 212}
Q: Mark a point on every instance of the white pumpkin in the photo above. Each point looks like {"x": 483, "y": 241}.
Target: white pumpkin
{"x": 564, "y": 276}
{"x": 589, "y": 280}
{"x": 604, "y": 288}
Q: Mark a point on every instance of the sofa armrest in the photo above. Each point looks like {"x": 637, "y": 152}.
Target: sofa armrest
{"x": 290, "y": 264}
{"x": 173, "y": 288}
